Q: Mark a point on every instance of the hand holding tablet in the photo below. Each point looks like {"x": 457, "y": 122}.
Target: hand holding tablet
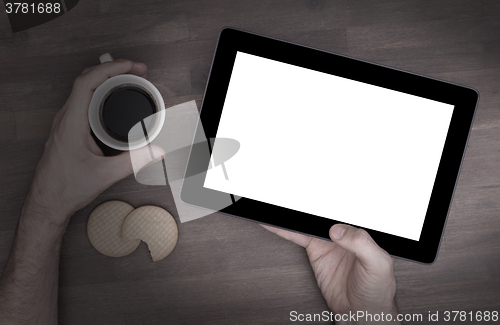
{"x": 327, "y": 139}
{"x": 353, "y": 273}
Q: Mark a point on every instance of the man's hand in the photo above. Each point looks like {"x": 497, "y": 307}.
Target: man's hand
{"x": 73, "y": 170}
{"x": 353, "y": 273}
{"x": 70, "y": 174}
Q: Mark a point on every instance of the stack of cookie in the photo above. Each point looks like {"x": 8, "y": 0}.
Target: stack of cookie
{"x": 116, "y": 229}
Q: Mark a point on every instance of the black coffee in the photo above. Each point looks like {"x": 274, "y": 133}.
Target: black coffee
{"x": 124, "y": 107}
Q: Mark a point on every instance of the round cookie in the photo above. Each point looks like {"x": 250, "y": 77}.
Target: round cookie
{"x": 104, "y": 229}
{"x": 155, "y": 226}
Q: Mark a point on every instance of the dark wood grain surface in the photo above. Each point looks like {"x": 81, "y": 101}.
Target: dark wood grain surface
{"x": 225, "y": 270}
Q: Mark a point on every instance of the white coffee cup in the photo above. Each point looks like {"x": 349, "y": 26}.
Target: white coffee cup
{"x": 107, "y": 88}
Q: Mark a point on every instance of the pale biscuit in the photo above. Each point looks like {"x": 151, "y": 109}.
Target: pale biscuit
{"x": 104, "y": 229}
{"x": 155, "y": 226}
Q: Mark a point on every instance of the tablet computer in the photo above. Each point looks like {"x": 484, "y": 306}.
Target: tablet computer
{"x": 325, "y": 139}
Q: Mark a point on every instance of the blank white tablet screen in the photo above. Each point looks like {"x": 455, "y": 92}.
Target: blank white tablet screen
{"x": 330, "y": 146}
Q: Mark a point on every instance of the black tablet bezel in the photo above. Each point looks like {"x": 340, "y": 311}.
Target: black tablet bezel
{"x": 463, "y": 98}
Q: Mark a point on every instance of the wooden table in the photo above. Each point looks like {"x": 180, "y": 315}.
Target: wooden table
{"x": 225, "y": 270}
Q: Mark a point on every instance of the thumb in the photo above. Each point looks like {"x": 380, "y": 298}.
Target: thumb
{"x": 132, "y": 161}
{"x": 358, "y": 242}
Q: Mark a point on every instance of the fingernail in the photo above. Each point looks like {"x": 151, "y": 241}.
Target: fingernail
{"x": 338, "y": 231}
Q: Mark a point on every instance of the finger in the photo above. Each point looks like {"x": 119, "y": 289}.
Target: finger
{"x": 57, "y": 119}
{"x": 294, "y": 237}
{"x": 120, "y": 166}
{"x": 360, "y": 243}
{"x": 91, "y": 80}
{"x": 88, "y": 69}
{"x": 139, "y": 69}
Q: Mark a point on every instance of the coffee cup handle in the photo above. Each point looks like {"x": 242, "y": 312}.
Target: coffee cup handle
{"x": 106, "y": 57}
